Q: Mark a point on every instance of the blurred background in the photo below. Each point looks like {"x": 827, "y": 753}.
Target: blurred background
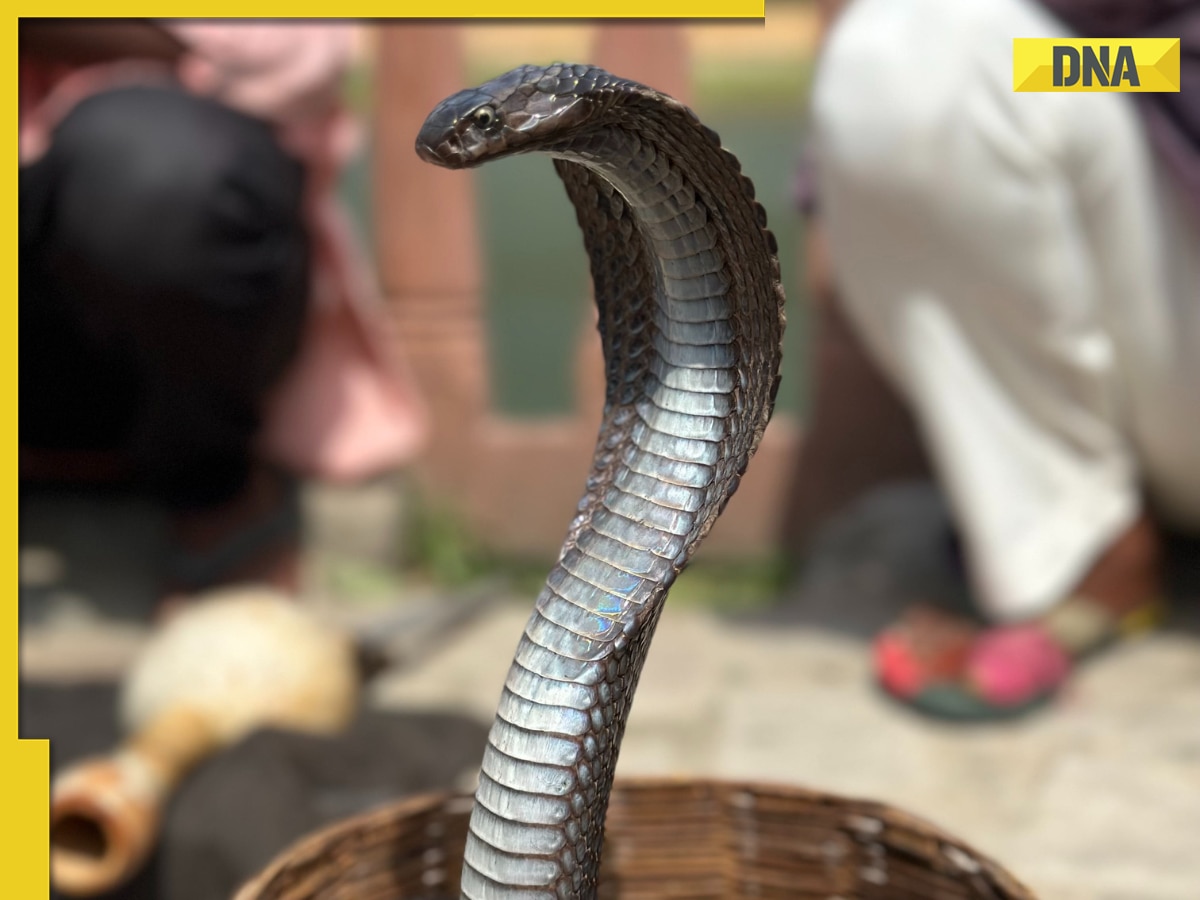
{"x": 428, "y": 552}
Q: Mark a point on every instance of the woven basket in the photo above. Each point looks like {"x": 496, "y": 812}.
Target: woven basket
{"x": 664, "y": 839}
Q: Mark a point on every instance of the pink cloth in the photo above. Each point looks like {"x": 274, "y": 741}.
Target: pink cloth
{"x": 348, "y": 408}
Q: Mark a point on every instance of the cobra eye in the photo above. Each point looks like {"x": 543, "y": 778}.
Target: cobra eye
{"x": 485, "y": 116}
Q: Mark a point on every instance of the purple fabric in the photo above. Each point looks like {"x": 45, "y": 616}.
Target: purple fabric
{"x": 1116, "y": 18}
{"x": 1172, "y": 120}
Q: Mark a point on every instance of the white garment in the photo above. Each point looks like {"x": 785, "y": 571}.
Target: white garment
{"x": 1022, "y": 269}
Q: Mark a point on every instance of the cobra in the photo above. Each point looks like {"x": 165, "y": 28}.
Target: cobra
{"x": 691, "y": 315}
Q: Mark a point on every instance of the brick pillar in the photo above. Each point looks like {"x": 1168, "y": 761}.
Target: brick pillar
{"x": 654, "y": 53}
{"x": 428, "y": 243}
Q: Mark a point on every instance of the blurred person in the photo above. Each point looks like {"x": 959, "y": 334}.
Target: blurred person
{"x": 1025, "y": 270}
{"x": 194, "y": 316}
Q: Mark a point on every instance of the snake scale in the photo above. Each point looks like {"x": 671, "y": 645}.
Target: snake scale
{"x": 691, "y": 316}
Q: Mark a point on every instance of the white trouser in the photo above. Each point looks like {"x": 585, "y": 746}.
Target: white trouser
{"x": 1022, "y": 269}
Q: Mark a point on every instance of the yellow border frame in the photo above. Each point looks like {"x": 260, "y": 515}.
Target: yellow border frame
{"x": 25, "y": 764}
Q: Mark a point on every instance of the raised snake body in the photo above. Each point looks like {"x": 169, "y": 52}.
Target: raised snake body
{"x": 691, "y": 316}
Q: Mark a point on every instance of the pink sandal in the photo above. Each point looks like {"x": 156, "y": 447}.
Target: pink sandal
{"x": 1008, "y": 671}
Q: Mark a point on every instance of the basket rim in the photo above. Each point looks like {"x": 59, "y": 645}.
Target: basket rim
{"x": 309, "y": 848}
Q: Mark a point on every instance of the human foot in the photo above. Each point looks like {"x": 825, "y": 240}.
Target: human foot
{"x": 952, "y": 668}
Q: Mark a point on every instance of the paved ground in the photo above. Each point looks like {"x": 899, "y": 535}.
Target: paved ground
{"x": 1096, "y": 799}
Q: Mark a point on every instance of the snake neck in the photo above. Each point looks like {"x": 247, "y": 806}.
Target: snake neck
{"x": 687, "y": 301}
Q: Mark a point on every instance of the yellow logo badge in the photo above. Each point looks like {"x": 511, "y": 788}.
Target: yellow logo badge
{"x": 1149, "y": 65}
